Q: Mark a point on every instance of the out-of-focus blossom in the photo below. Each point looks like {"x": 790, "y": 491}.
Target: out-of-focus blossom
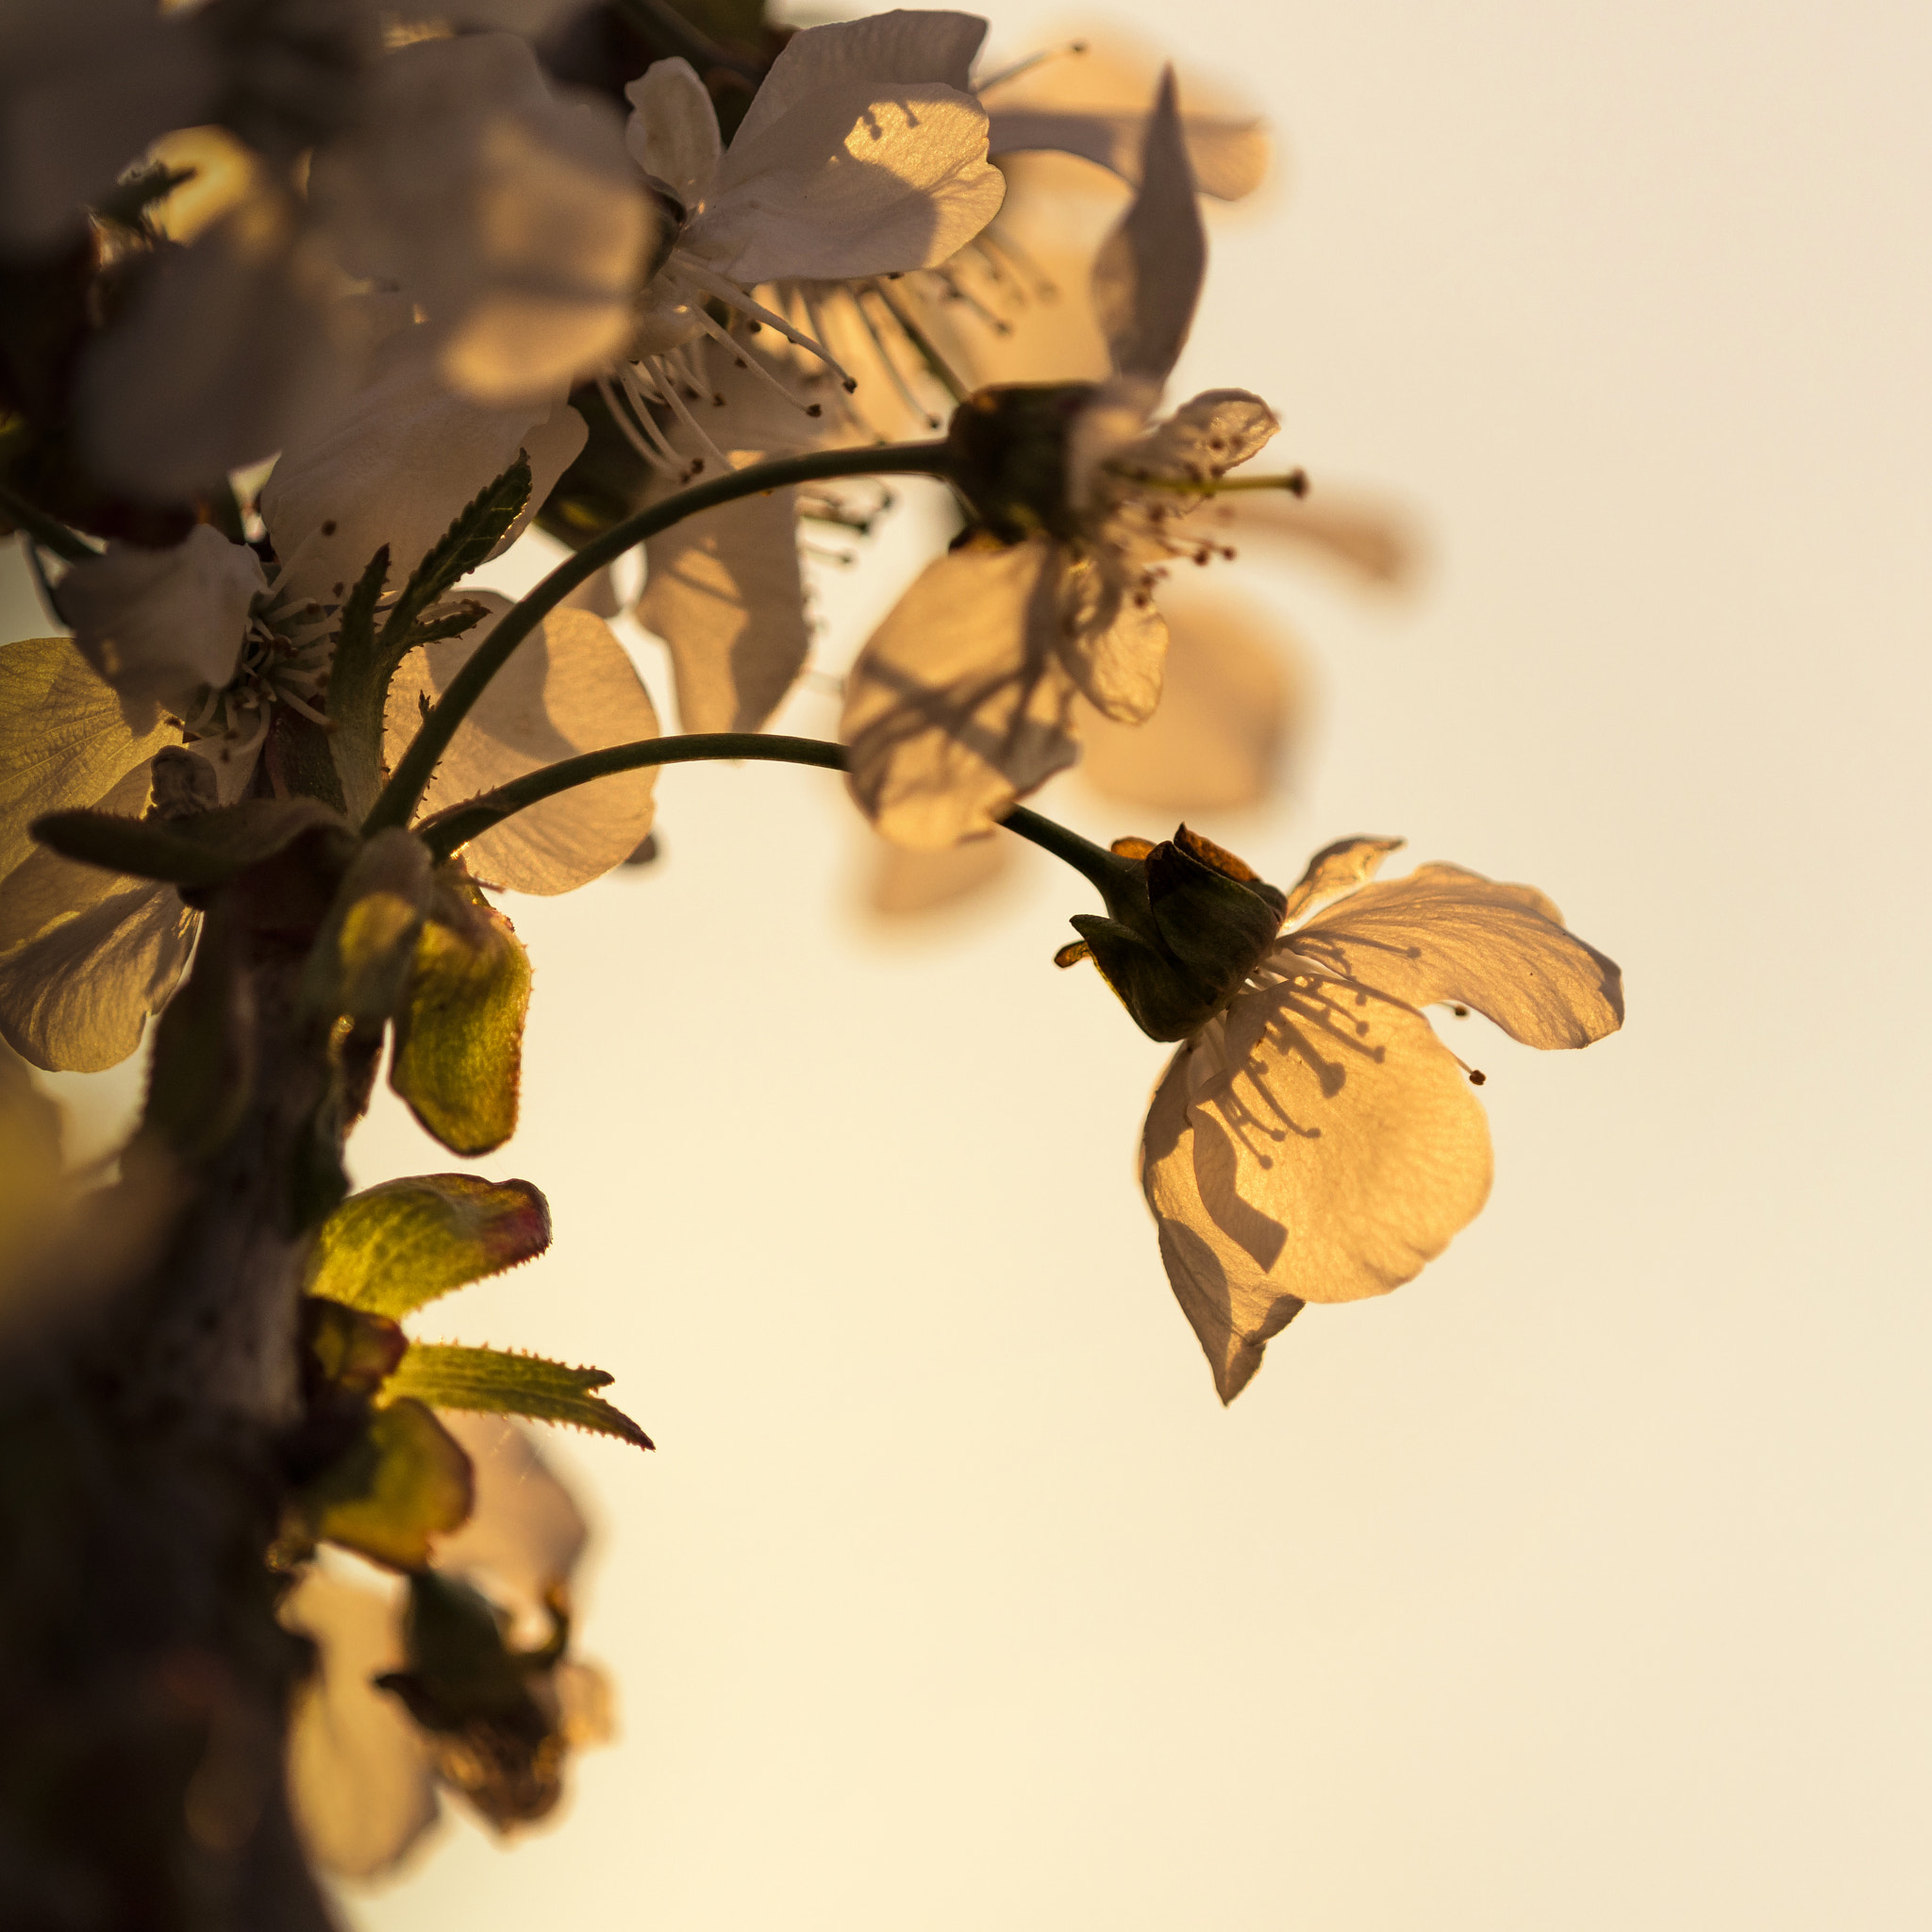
{"x": 86, "y": 955}
{"x": 448, "y": 169}
{"x": 862, "y": 154}
{"x": 1314, "y": 1141}
{"x": 364, "y": 1770}
{"x": 962, "y": 700}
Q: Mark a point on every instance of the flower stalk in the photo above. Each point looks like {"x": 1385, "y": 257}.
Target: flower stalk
{"x": 400, "y": 797}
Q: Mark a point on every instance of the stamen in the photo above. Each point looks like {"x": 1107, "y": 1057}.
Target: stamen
{"x": 622, "y": 415}
{"x": 1028, "y": 64}
{"x": 735, "y": 297}
{"x": 683, "y": 413}
{"x": 935, "y": 364}
{"x": 757, "y": 366}
{"x": 885, "y": 362}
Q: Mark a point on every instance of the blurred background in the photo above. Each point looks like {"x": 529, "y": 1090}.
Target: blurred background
{"x": 1584, "y": 1582}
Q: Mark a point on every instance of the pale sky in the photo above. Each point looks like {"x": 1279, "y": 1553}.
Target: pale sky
{"x": 1583, "y": 1583}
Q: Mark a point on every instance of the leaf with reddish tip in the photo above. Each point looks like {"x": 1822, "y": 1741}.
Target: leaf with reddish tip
{"x": 395, "y": 1247}
{"x": 405, "y": 1482}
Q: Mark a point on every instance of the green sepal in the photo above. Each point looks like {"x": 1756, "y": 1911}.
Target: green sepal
{"x": 500, "y": 1383}
{"x": 479, "y": 527}
{"x": 460, "y": 1032}
{"x": 395, "y": 1247}
{"x": 1187, "y": 923}
{"x": 206, "y": 849}
{"x": 358, "y": 689}
{"x": 405, "y": 1481}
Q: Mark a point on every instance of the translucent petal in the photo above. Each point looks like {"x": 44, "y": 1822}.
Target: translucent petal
{"x": 725, "y": 595}
{"x": 1312, "y": 1146}
{"x": 568, "y": 687}
{"x": 672, "y": 131}
{"x": 1338, "y": 868}
{"x": 1148, "y": 275}
{"x": 854, "y": 181}
{"x": 1207, "y": 436}
{"x": 1116, "y": 648}
{"x": 394, "y": 466}
{"x": 959, "y": 704}
{"x": 905, "y": 46}
{"x": 1446, "y": 934}
{"x": 63, "y": 742}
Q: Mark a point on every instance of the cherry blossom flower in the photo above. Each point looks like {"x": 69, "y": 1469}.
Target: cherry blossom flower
{"x": 963, "y": 699}
{"x": 1314, "y": 1141}
{"x": 127, "y": 717}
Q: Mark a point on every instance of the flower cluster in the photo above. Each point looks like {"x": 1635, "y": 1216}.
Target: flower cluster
{"x": 315, "y": 310}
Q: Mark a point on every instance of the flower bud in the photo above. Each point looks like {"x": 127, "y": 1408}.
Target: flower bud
{"x": 1185, "y": 924}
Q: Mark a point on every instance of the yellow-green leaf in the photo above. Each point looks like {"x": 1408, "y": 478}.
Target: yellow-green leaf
{"x": 365, "y": 954}
{"x": 406, "y": 1481}
{"x": 499, "y": 1383}
{"x": 460, "y": 1032}
{"x": 395, "y": 1247}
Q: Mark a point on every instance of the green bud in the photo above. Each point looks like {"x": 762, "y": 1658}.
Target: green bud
{"x": 1007, "y": 450}
{"x": 1185, "y": 924}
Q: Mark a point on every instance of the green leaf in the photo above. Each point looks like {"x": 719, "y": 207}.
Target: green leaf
{"x": 396, "y": 1247}
{"x": 205, "y": 849}
{"x": 478, "y": 528}
{"x": 405, "y": 1481}
{"x": 500, "y": 1383}
{"x": 362, "y": 958}
{"x": 357, "y": 687}
{"x": 351, "y": 1352}
{"x": 460, "y": 1032}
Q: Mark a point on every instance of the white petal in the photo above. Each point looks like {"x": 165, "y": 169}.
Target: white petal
{"x": 904, "y": 46}
{"x": 1207, "y": 436}
{"x": 1113, "y": 642}
{"x": 672, "y": 131}
{"x": 1338, "y": 868}
{"x": 1227, "y": 158}
{"x": 359, "y": 1777}
{"x": 105, "y": 952}
{"x": 155, "y": 624}
{"x": 1229, "y": 704}
{"x": 64, "y": 743}
{"x": 396, "y": 465}
{"x": 232, "y": 348}
{"x": 514, "y": 217}
{"x": 1446, "y": 934}
{"x": 960, "y": 704}
{"x": 724, "y": 593}
{"x": 524, "y": 1534}
{"x": 855, "y": 181}
{"x": 1148, "y": 275}
{"x": 1314, "y": 1145}
{"x": 568, "y": 687}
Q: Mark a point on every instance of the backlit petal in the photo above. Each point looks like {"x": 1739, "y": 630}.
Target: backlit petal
{"x": 902, "y": 47}
{"x": 64, "y": 743}
{"x": 1113, "y": 642}
{"x": 568, "y": 687}
{"x": 1207, "y": 436}
{"x": 672, "y": 131}
{"x": 723, "y": 592}
{"x": 857, "y": 181}
{"x": 1446, "y": 934}
{"x": 1338, "y": 868}
{"x": 1312, "y": 1146}
{"x": 960, "y": 704}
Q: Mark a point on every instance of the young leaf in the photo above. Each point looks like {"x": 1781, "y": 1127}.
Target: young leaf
{"x": 502, "y": 1384}
{"x": 358, "y": 686}
{"x": 205, "y": 849}
{"x": 363, "y": 956}
{"x": 395, "y": 1247}
{"x": 459, "y": 1031}
{"x": 406, "y": 1481}
{"x": 478, "y": 528}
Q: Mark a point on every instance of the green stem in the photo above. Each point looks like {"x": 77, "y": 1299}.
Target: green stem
{"x": 404, "y": 791}
{"x": 448, "y": 831}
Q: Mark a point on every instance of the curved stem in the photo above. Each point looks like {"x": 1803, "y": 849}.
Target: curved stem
{"x": 401, "y": 796}
{"x": 447, "y": 832}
